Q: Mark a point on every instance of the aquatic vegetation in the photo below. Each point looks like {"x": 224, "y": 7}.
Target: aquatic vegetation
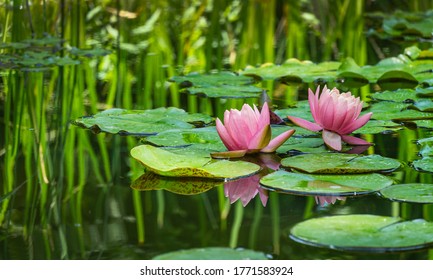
{"x": 336, "y": 115}
{"x": 249, "y": 131}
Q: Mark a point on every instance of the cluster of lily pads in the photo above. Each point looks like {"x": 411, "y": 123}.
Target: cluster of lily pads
{"x": 177, "y": 147}
{"x": 41, "y": 54}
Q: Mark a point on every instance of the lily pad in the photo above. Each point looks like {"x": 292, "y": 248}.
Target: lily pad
{"x": 338, "y": 163}
{"x": 400, "y": 95}
{"x": 397, "y": 112}
{"x": 341, "y": 185}
{"x": 213, "y": 253}
{"x": 424, "y": 164}
{"x": 415, "y": 193}
{"x": 364, "y": 233}
{"x": 184, "y": 186}
{"x": 222, "y": 85}
{"x": 165, "y": 163}
{"x": 141, "y": 122}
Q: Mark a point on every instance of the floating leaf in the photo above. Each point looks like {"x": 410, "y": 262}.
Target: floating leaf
{"x": 141, "y": 122}
{"x": 89, "y": 52}
{"x": 166, "y": 163}
{"x": 213, "y": 253}
{"x": 424, "y": 105}
{"x": 302, "y": 145}
{"x": 295, "y": 71}
{"x": 415, "y": 193}
{"x": 185, "y": 186}
{"x": 397, "y": 112}
{"x": 364, "y": 233}
{"x": 339, "y": 163}
{"x": 400, "y": 95}
{"x": 309, "y": 184}
{"x": 222, "y": 85}
{"x": 424, "y": 164}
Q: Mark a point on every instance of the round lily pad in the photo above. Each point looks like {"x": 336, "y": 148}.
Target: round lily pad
{"x": 424, "y": 164}
{"x": 364, "y": 233}
{"x": 416, "y": 193}
{"x": 213, "y": 253}
{"x": 309, "y": 184}
{"x": 141, "y": 122}
{"x": 165, "y": 163}
{"x": 185, "y": 186}
{"x": 338, "y": 163}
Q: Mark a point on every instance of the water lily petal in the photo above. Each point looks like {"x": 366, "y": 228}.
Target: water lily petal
{"x": 225, "y": 136}
{"x": 355, "y": 124}
{"x": 332, "y": 139}
{"x": 265, "y": 118}
{"x": 261, "y": 139}
{"x": 313, "y": 100}
{"x": 354, "y": 140}
{"x": 305, "y": 124}
{"x": 278, "y": 141}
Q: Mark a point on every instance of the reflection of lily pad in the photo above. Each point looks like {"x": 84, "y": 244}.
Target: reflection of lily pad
{"x": 342, "y": 185}
{"x": 364, "y": 233}
{"x": 165, "y": 163}
{"x": 141, "y": 122}
{"x": 222, "y": 84}
{"x": 185, "y": 186}
{"x": 338, "y": 163}
{"x": 417, "y": 193}
{"x": 212, "y": 253}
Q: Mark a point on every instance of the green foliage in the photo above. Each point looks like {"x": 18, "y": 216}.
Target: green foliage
{"x": 337, "y": 163}
{"x": 414, "y": 193}
{"x": 364, "y": 233}
{"x": 212, "y": 253}
{"x": 312, "y": 184}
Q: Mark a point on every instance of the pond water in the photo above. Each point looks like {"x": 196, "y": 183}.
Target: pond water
{"x": 72, "y": 190}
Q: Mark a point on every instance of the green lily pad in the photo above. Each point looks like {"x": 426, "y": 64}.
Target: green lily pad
{"x": 166, "y": 163}
{"x": 222, "y": 85}
{"x": 423, "y": 105}
{"x": 424, "y": 164}
{"x": 184, "y": 186}
{"x": 339, "y": 163}
{"x": 213, "y": 253}
{"x": 400, "y": 95}
{"x": 397, "y": 112}
{"x": 309, "y": 184}
{"x": 141, "y": 122}
{"x": 364, "y": 233}
{"x": 378, "y": 126}
{"x": 415, "y": 193}
{"x": 295, "y": 71}
{"x": 302, "y": 145}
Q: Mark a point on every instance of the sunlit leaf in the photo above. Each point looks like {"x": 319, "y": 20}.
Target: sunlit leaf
{"x": 141, "y": 122}
{"x": 339, "y": 163}
{"x": 185, "y": 186}
{"x": 385, "y": 110}
{"x": 313, "y": 184}
{"x": 166, "y": 163}
{"x": 213, "y": 253}
{"x": 364, "y": 233}
{"x": 222, "y": 85}
{"x": 415, "y": 193}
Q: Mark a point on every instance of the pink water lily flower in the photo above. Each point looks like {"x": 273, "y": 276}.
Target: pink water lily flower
{"x": 336, "y": 115}
{"x": 249, "y": 131}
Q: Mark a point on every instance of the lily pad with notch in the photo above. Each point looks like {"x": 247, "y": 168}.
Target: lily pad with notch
{"x": 312, "y": 184}
{"x": 141, "y": 122}
{"x": 364, "y": 233}
{"x": 166, "y": 163}
{"x": 339, "y": 163}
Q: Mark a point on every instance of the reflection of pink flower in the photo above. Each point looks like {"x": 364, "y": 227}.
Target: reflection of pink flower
{"x": 336, "y": 114}
{"x": 249, "y": 130}
{"x": 329, "y": 199}
{"x": 245, "y": 189}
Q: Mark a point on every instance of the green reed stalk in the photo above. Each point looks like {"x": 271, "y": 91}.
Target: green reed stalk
{"x": 258, "y": 215}
{"x": 237, "y": 223}
{"x": 275, "y": 214}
